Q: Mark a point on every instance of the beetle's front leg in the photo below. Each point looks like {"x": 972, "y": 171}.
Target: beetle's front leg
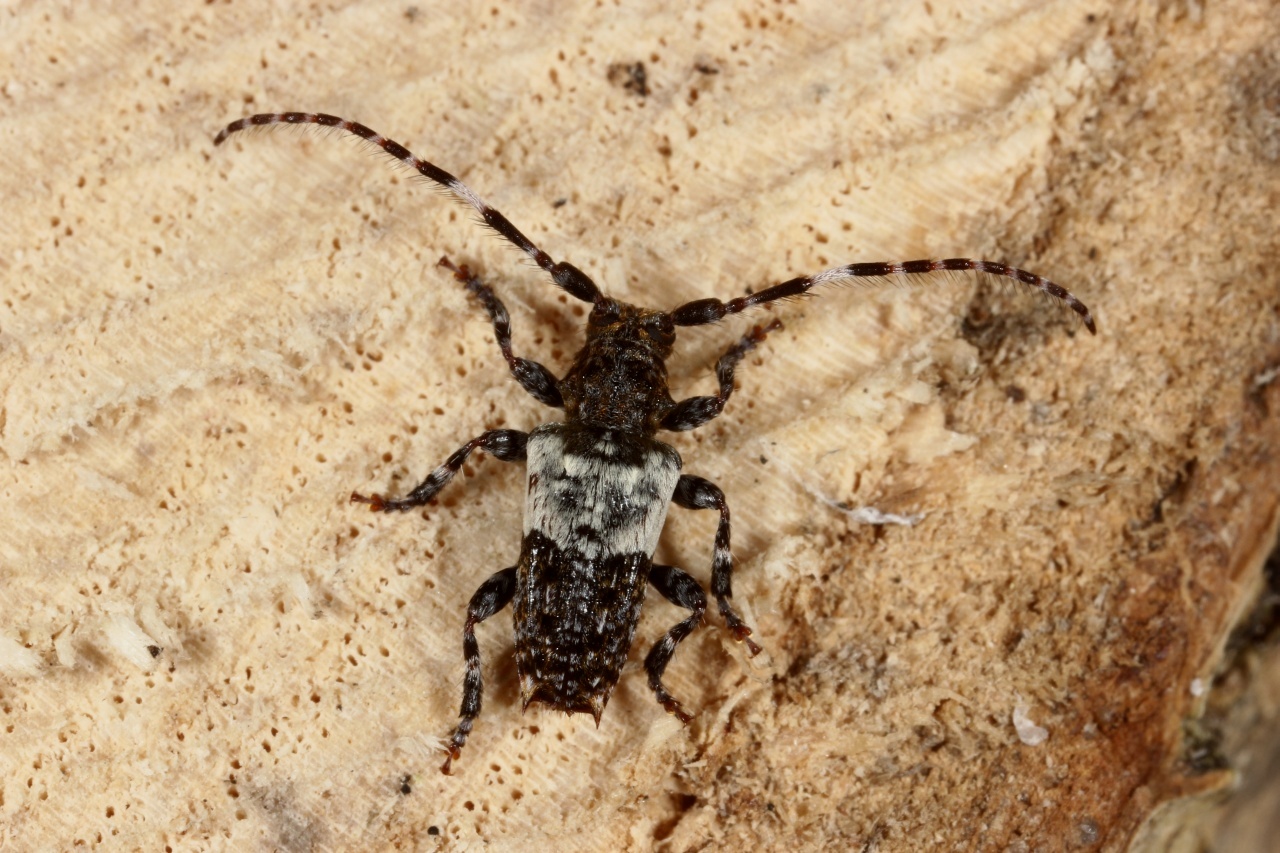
{"x": 532, "y": 376}
{"x": 505, "y": 444}
{"x": 693, "y": 412}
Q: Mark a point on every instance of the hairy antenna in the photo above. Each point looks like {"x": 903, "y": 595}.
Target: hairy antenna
{"x": 703, "y": 311}
{"x": 566, "y": 276}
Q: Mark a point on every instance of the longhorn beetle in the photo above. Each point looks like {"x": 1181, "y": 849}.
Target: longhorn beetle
{"x": 599, "y": 482}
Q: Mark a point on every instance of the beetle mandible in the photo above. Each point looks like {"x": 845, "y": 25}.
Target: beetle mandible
{"x": 598, "y": 483}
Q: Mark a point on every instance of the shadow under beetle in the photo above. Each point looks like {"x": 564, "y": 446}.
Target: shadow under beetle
{"x": 599, "y": 482}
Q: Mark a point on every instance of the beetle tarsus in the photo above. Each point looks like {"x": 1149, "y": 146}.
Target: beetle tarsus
{"x": 376, "y": 502}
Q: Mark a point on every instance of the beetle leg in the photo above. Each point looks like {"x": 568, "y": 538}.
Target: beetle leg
{"x": 493, "y": 595}
{"x": 532, "y": 376}
{"x": 681, "y": 589}
{"x": 693, "y": 412}
{"x": 697, "y": 493}
{"x": 505, "y": 444}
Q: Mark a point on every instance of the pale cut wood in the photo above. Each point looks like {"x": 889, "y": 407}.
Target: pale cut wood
{"x": 204, "y": 351}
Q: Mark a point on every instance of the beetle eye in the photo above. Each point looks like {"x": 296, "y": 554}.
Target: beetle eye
{"x": 661, "y": 323}
{"x": 604, "y": 313}
{"x": 660, "y": 327}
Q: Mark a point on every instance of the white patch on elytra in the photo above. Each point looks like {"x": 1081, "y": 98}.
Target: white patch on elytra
{"x": 593, "y": 503}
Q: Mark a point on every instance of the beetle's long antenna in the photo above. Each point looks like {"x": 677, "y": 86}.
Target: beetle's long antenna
{"x": 703, "y": 311}
{"x": 566, "y": 276}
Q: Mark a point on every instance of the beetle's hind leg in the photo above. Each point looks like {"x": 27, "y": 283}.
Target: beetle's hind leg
{"x": 681, "y": 589}
{"x": 493, "y": 595}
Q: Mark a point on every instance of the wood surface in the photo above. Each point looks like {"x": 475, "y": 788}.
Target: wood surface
{"x": 204, "y": 351}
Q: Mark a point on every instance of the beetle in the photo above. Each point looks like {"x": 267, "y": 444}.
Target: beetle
{"x": 598, "y": 483}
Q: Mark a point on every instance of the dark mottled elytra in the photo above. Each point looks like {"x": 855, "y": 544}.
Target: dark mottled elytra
{"x": 598, "y": 483}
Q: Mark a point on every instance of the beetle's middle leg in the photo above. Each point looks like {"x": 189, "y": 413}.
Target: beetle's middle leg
{"x": 505, "y": 444}
{"x": 493, "y": 595}
{"x": 697, "y": 493}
